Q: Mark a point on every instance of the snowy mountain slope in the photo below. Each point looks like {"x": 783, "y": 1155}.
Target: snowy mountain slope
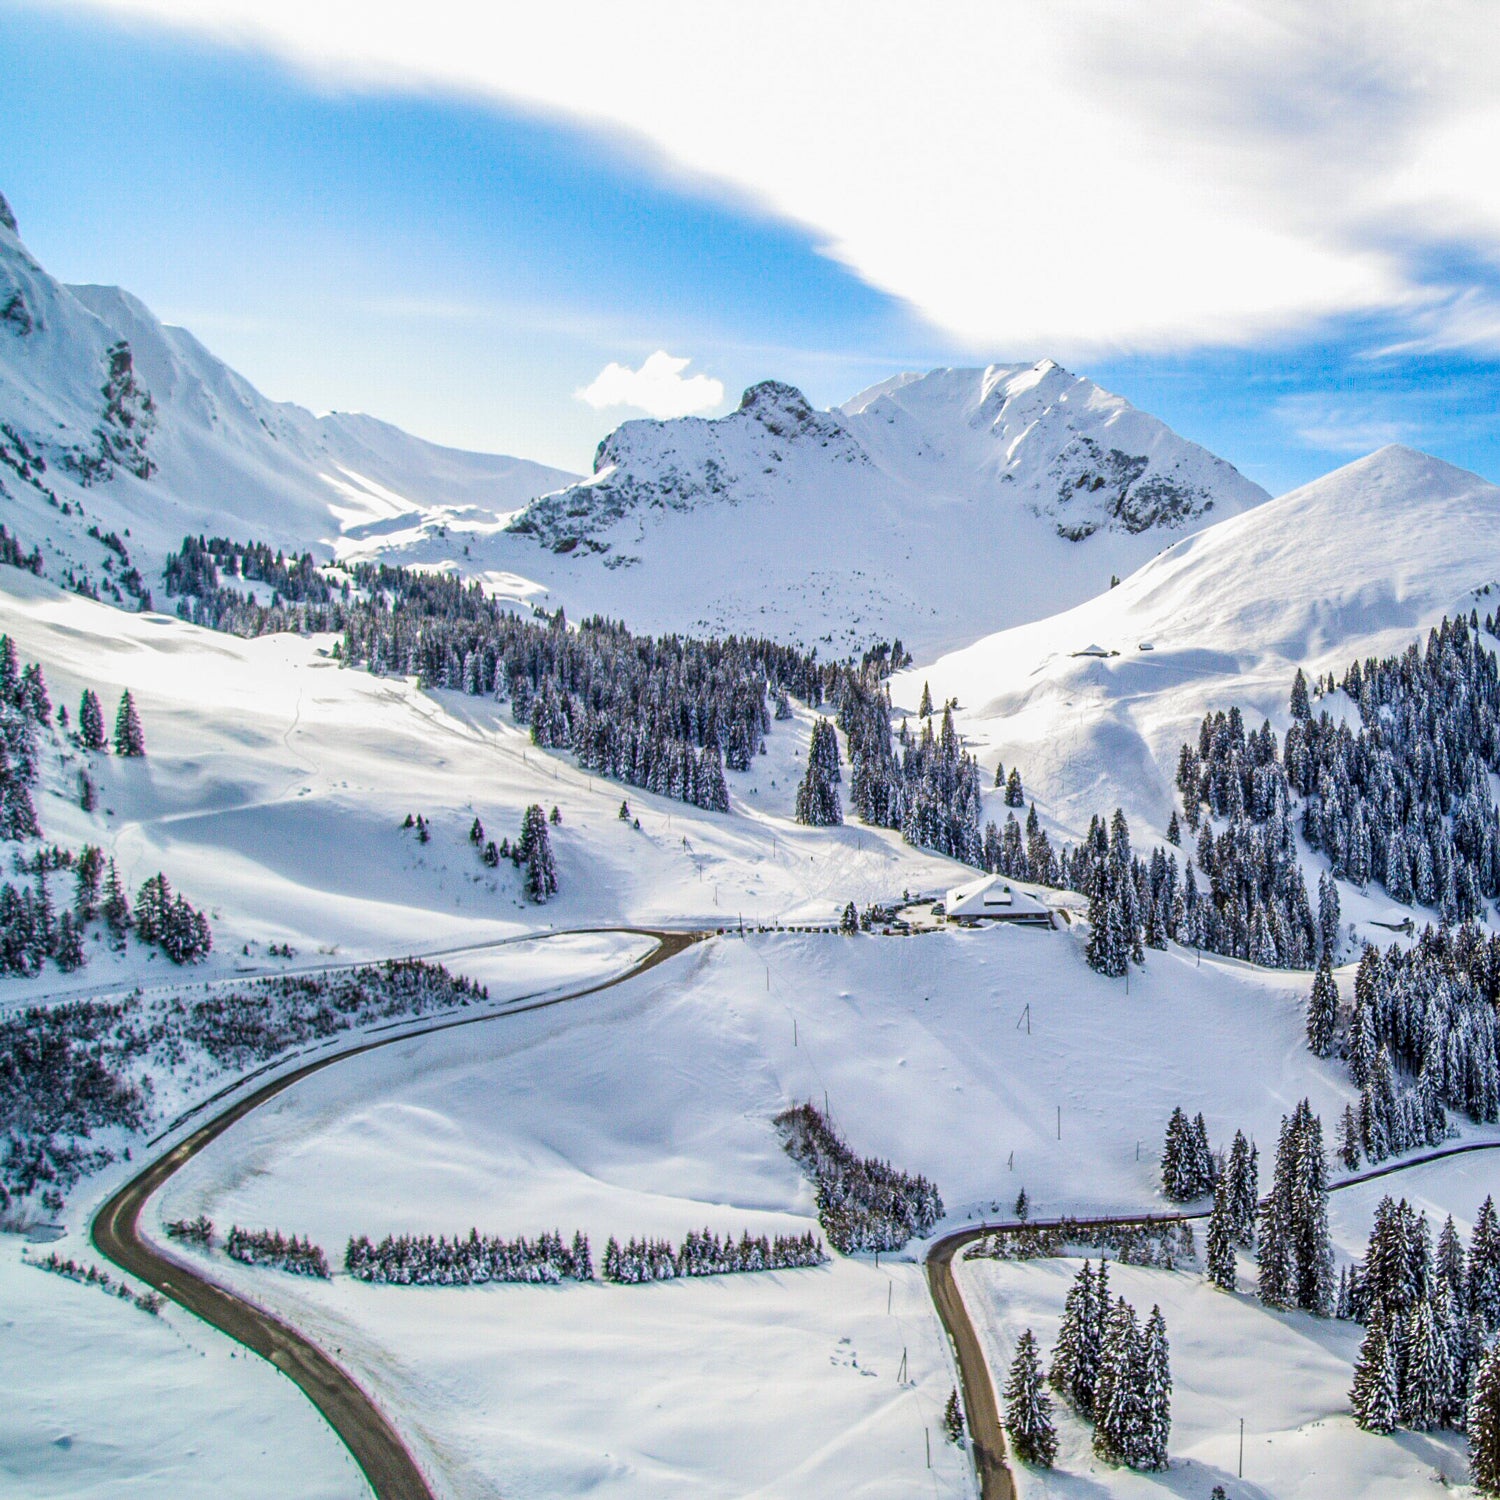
{"x": 276, "y": 783}
{"x": 180, "y": 443}
{"x": 1360, "y": 562}
{"x": 929, "y": 507}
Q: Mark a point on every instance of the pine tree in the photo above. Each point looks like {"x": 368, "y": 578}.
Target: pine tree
{"x": 1156, "y": 1395}
{"x": 1119, "y": 1415}
{"x": 1328, "y": 917}
{"x": 1243, "y": 1173}
{"x": 1028, "y": 1408}
{"x": 1075, "y": 1359}
{"x": 953, "y": 1418}
{"x": 1022, "y": 1206}
{"x": 1425, "y": 1370}
{"x": 1348, "y": 1139}
{"x": 849, "y": 921}
{"x": 1482, "y": 1279}
{"x": 1015, "y": 795}
{"x": 70, "y": 953}
{"x": 818, "y": 803}
{"x": 91, "y": 722}
{"x": 1313, "y": 1247}
{"x": 1483, "y": 1424}
{"x": 1374, "y": 1396}
{"x": 130, "y": 738}
{"x": 1322, "y": 1010}
{"x": 1449, "y": 1265}
{"x": 1301, "y": 708}
{"x": 116, "y": 907}
{"x": 924, "y": 708}
{"x": 1203, "y": 1157}
{"x": 536, "y": 853}
{"x": 1220, "y": 1246}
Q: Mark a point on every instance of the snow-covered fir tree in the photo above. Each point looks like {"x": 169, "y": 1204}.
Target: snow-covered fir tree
{"x": 1322, "y": 1009}
{"x": 1219, "y": 1251}
{"x": 1296, "y": 1254}
{"x": 1156, "y": 1395}
{"x": 1483, "y": 1424}
{"x": 91, "y": 733}
{"x": 1187, "y": 1164}
{"x": 1080, "y": 1338}
{"x": 818, "y": 804}
{"x": 535, "y": 848}
{"x": 130, "y": 738}
{"x": 1119, "y": 1400}
{"x": 1242, "y": 1178}
{"x": 1374, "y": 1397}
{"x": 953, "y": 1418}
{"x": 1028, "y": 1407}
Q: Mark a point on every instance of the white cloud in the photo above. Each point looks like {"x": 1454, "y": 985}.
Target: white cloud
{"x": 1055, "y": 178}
{"x": 657, "y": 388}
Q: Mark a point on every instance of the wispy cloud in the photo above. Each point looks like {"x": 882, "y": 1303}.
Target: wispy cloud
{"x": 658, "y": 388}
{"x": 1332, "y": 426}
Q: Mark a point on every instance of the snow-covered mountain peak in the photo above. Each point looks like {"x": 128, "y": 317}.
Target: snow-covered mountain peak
{"x": 7, "y": 218}
{"x": 1354, "y": 564}
{"x": 1020, "y": 487}
{"x": 112, "y": 422}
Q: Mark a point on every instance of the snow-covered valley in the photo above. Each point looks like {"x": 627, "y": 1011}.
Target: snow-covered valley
{"x": 334, "y": 798}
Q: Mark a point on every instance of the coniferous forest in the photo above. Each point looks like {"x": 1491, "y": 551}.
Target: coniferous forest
{"x": 863, "y": 1203}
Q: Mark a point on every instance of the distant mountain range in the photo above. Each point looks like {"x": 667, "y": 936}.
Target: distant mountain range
{"x": 931, "y": 507}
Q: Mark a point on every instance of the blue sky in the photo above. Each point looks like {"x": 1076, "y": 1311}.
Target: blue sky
{"x": 463, "y": 264}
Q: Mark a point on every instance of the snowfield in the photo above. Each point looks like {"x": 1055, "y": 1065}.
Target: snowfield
{"x": 1361, "y": 562}
{"x": 647, "y": 1111}
{"x": 98, "y": 1400}
{"x": 961, "y": 510}
{"x": 276, "y": 784}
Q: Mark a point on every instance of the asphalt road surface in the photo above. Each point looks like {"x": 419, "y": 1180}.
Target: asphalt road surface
{"x": 981, "y": 1407}
{"x": 374, "y": 1443}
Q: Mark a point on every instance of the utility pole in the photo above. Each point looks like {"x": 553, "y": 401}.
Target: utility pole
{"x": 901, "y": 1373}
{"x": 927, "y": 1433}
{"x": 1026, "y": 1017}
{"x": 1242, "y": 1448}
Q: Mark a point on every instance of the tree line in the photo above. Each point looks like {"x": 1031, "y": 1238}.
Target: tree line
{"x": 863, "y": 1203}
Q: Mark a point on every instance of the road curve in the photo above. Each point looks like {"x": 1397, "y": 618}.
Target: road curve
{"x": 981, "y": 1408}
{"x": 373, "y": 1442}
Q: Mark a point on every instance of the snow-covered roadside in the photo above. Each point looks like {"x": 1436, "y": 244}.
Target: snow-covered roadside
{"x": 648, "y": 1112}
{"x": 99, "y": 1400}
{"x": 1286, "y": 1374}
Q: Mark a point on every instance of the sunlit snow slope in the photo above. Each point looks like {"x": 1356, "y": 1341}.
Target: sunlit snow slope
{"x": 1360, "y": 562}
{"x": 931, "y": 507}
{"x": 133, "y": 424}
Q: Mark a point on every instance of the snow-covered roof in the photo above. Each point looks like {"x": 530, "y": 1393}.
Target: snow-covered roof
{"x": 990, "y": 896}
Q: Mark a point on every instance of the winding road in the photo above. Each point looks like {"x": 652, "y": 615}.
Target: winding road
{"x": 371, "y": 1439}
{"x": 981, "y": 1405}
